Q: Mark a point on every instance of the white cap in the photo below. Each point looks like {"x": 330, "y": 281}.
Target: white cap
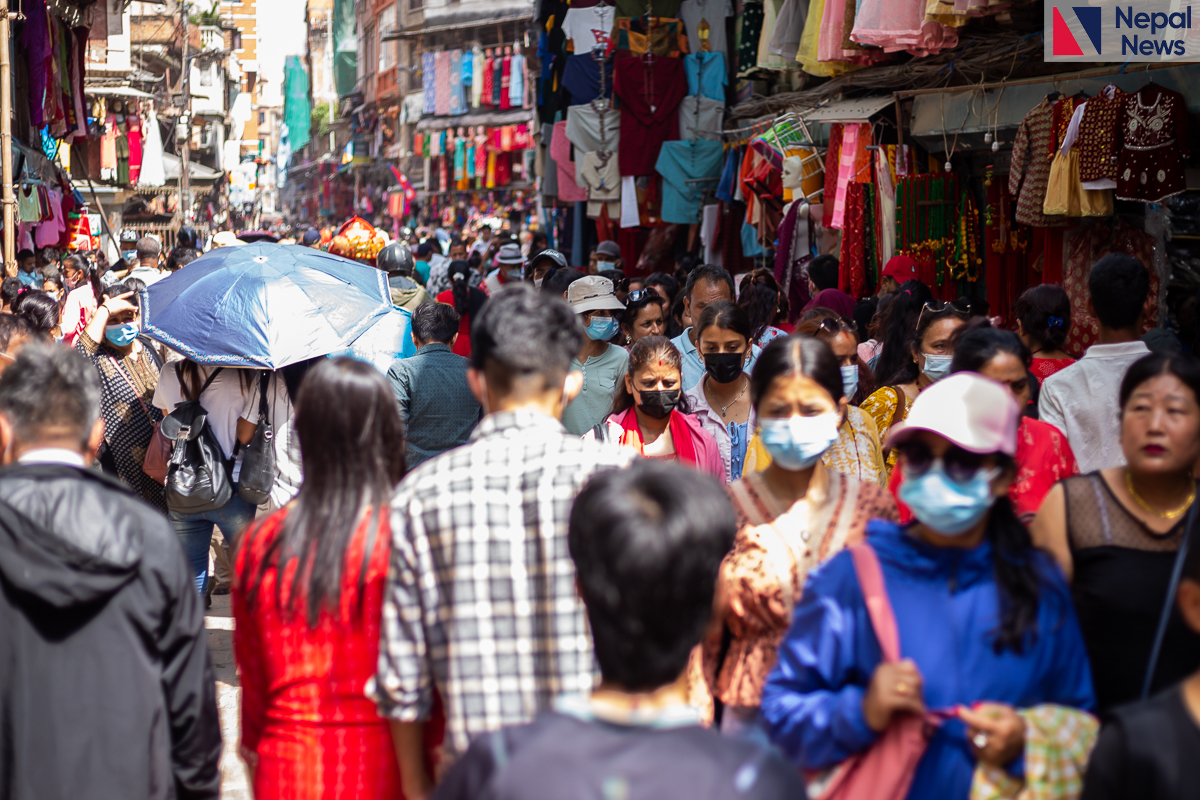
{"x": 975, "y": 413}
{"x": 593, "y": 293}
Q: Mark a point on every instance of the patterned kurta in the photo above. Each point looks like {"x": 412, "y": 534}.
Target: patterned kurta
{"x": 128, "y": 424}
{"x": 1030, "y": 169}
{"x": 881, "y": 406}
{"x": 1155, "y": 146}
{"x": 1099, "y": 134}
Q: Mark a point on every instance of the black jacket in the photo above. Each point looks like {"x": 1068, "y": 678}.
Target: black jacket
{"x": 106, "y": 690}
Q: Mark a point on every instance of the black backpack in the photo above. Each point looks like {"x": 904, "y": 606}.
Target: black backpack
{"x": 198, "y": 475}
{"x": 258, "y": 462}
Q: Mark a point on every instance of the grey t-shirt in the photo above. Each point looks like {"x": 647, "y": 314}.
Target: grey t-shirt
{"x": 715, "y": 11}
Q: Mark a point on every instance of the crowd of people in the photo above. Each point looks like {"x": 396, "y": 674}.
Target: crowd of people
{"x": 604, "y": 536}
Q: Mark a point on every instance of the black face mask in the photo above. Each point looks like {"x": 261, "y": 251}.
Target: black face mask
{"x": 724, "y": 367}
{"x": 658, "y": 404}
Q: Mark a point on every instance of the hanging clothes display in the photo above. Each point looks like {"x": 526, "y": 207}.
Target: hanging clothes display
{"x": 581, "y": 78}
{"x": 594, "y": 126}
{"x": 750, "y": 25}
{"x": 1030, "y": 168}
{"x": 569, "y": 190}
{"x": 1086, "y": 246}
{"x": 650, "y": 89}
{"x": 477, "y": 77}
{"x": 686, "y": 168}
{"x": 895, "y": 25}
{"x": 487, "y": 88}
{"x": 704, "y": 23}
{"x": 597, "y": 173}
{"x": 1098, "y": 138}
{"x": 516, "y": 86}
{"x": 700, "y": 118}
{"x": 1155, "y": 145}
{"x": 706, "y": 75}
{"x": 428, "y": 84}
{"x": 442, "y": 84}
{"x": 457, "y": 101}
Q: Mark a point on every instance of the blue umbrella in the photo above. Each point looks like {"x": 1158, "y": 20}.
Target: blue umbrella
{"x": 264, "y": 305}
{"x": 388, "y": 339}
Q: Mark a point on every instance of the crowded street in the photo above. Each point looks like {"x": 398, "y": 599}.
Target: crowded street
{"x": 480, "y": 399}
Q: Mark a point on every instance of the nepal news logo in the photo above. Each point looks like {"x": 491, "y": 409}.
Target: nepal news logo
{"x": 1132, "y": 33}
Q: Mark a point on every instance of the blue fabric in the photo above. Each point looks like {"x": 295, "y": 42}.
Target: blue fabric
{"x": 946, "y": 604}
{"x": 428, "y": 87}
{"x": 729, "y": 175}
{"x": 750, "y": 245}
{"x": 693, "y": 364}
{"x": 706, "y": 74}
{"x": 680, "y": 162}
{"x": 436, "y": 403}
{"x": 737, "y": 448}
{"x": 581, "y": 79}
{"x": 26, "y": 278}
{"x": 195, "y": 531}
{"x": 458, "y": 92}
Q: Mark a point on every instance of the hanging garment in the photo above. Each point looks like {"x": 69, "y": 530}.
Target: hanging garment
{"x": 1099, "y": 132}
{"x": 701, "y": 118}
{"x": 1154, "y": 146}
{"x": 1030, "y": 168}
{"x": 791, "y": 255}
{"x": 708, "y": 234}
{"x": 789, "y": 27}
{"x": 765, "y": 58}
{"x": 1086, "y": 246}
{"x": 704, "y": 23}
{"x": 477, "y": 78}
{"x": 1065, "y": 194}
{"x": 588, "y": 29}
{"x": 458, "y": 97}
{"x": 35, "y": 39}
{"x": 133, "y": 132}
{"x": 516, "y": 82}
{"x": 487, "y": 90}
{"x": 650, "y": 93}
{"x": 597, "y": 173}
{"x": 569, "y": 191}
{"x": 581, "y": 78}
{"x": 810, "y": 39}
{"x": 123, "y": 160}
{"x": 895, "y": 25}
{"x": 750, "y": 25}
{"x": 108, "y": 144}
{"x": 153, "y": 172}
{"x": 657, "y": 8}
{"x": 506, "y": 83}
{"x": 442, "y": 85}
{"x": 729, "y": 175}
{"x": 28, "y": 205}
{"x": 497, "y": 80}
{"x": 585, "y": 131}
{"x": 706, "y": 74}
{"x": 886, "y": 200}
{"x": 658, "y": 35}
{"x": 467, "y": 73}
{"x": 852, "y": 261}
{"x": 629, "y": 202}
{"x": 428, "y": 84}
{"x": 686, "y": 167}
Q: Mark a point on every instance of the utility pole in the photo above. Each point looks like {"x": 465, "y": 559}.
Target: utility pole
{"x": 185, "y": 83}
{"x": 9, "y": 200}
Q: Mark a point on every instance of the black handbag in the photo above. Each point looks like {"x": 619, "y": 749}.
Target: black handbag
{"x": 258, "y": 463}
{"x": 198, "y": 474}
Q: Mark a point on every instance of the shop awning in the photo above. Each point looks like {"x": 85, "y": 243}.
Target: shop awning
{"x": 117, "y": 91}
{"x": 860, "y": 109}
{"x": 491, "y": 119}
{"x": 412, "y": 33}
{"x": 196, "y": 171}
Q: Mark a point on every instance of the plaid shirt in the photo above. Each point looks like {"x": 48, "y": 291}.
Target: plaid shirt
{"x": 481, "y": 595}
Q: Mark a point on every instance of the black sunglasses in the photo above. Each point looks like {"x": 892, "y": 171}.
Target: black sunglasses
{"x": 938, "y": 306}
{"x": 638, "y": 295}
{"x": 960, "y": 465}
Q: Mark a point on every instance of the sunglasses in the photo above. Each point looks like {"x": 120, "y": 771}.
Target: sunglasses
{"x": 638, "y": 295}
{"x": 959, "y": 465}
{"x": 835, "y": 326}
{"x": 938, "y": 306}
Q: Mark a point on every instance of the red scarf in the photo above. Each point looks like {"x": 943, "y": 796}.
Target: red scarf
{"x": 681, "y": 436}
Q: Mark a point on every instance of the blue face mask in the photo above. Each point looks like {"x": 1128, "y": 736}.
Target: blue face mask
{"x": 849, "y": 380}
{"x": 121, "y": 335}
{"x": 796, "y": 443}
{"x": 945, "y": 505}
{"x": 937, "y": 367}
{"x": 602, "y": 328}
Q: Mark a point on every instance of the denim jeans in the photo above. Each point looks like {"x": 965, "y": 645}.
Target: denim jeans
{"x": 196, "y": 531}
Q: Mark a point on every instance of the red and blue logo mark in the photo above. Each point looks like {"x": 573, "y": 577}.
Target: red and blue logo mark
{"x": 1064, "y": 42}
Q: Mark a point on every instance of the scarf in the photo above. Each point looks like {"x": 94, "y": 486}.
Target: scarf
{"x": 685, "y": 450}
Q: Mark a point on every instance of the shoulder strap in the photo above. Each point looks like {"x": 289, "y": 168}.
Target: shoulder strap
{"x": 264, "y": 381}
{"x": 1169, "y": 602}
{"x": 132, "y": 388}
{"x": 901, "y": 405}
{"x": 870, "y": 580}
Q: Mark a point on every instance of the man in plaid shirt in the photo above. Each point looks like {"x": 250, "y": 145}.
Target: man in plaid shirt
{"x": 481, "y": 598}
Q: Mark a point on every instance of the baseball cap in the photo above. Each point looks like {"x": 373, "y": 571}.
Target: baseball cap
{"x": 558, "y": 258}
{"x": 310, "y": 237}
{"x": 975, "y": 413}
{"x": 902, "y": 268}
{"x": 593, "y": 293}
{"x": 510, "y": 254}
{"x": 609, "y": 248}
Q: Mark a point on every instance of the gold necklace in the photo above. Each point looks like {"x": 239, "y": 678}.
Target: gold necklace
{"x": 1172, "y": 514}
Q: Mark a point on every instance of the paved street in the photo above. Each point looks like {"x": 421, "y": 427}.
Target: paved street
{"x": 219, "y": 621}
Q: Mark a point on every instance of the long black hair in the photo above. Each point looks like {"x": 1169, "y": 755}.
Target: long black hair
{"x": 459, "y": 272}
{"x": 979, "y": 343}
{"x": 1018, "y": 575}
{"x": 1148, "y": 367}
{"x": 40, "y": 311}
{"x": 1045, "y": 315}
{"x": 352, "y": 451}
{"x": 796, "y": 354}
{"x": 761, "y": 304}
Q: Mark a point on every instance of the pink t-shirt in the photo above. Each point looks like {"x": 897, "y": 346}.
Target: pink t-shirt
{"x": 77, "y": 312}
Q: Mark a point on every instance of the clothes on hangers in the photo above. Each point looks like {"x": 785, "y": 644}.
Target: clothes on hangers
{"x": 428, "y": 84}
{"x": 706, "y": 74}
{"x": 658, "y": 8}
{"x": 704, "y": 22}
{"x": 589, "y": 28}
{"x": 569, "y": 191}
{"x": 442, "y": 85}
{"x": 506, "y": 83}
{"x": 486, "y": 87}
{"x": 701, "y": 118}
{"x": 583, "y": 127}
{"x": 1154, "y": 147}
{"x": 680, "y": 162}
{"x": 597, "y": 173}
{"x": 581, "y": 78}
{"x": 477, "y": 77}
{"x": 1098, "y": 139}
{"x": 516, "y": 84}
{"x": 650, "y": 89}
{"x": 1030, "y": 168}
{"x": 458, "y": 98}
{"x": 662, "y": 36}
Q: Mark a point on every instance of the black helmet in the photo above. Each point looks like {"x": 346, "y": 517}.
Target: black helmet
{"x": 187, "y": 237}
{"x": 396, "y": 257}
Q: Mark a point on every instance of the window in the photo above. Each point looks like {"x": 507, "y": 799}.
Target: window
{"x": 369, "y": 46}
{"x": 415, "y": 5}
{"x": 262, "y": 117}
{"x": 387, "y": 50}
{"x": 206, "y": 75}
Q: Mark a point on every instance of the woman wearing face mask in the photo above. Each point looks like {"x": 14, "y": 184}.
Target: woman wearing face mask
{"x": 129, "y": 370}
{"x": 985, "y": 621}
{"x": 595, "y": 303}
{"x": 83, "y": 295}
{"x": 1117, "y": 532}
{"x": 928, "y": 359}
{"x": 721, "y": 400}
{"x": 649, "y": 411}
{"x": 1043, "y": 455}
{"x": 642, "y": 317}
{"x": 467, "y": 301}
{"x": 793, "y": 515}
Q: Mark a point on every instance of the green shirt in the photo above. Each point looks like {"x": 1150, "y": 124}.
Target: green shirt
{"x": 600, "y": 376}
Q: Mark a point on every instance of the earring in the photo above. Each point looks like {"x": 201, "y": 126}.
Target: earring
{"x": 628, "y": 340}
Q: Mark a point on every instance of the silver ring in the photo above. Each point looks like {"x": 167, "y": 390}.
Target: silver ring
{"x": 980, "y": 740}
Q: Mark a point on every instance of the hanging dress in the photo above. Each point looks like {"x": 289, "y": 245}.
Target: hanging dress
{"x": 1030, "y": 169}
{"x": 1155, "y": 145}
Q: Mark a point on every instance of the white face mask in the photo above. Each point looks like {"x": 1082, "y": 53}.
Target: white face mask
{"x": 537, "y": 282}
{"x": 603, "y": 265}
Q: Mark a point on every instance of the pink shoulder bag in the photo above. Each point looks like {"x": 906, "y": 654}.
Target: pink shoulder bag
{"x": 884, "y": 771}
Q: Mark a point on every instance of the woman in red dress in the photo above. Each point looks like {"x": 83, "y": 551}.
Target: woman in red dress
{"x": 1043, "y": 315}
{"x": 467, "y": 301}
{"x": 307, "y": 600}
{"x": 1043, "y": 456}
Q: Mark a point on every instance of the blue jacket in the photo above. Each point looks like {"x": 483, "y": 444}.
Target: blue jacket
{"x": 946, "y": 604}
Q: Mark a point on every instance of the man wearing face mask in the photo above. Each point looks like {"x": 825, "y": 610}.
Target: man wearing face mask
{"x": 508, "y": 263}
{"x": 466, "y": 513}
{"x": 705, "y": 285}
{"x": 594, "y": 301}
{"x": 128, "y": 376}
{"x": 541, "y": 263}
{"x": 606, "y": 256}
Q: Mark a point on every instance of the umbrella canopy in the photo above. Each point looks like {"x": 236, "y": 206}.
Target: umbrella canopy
{"x": 385, "y": 341}
{"x": 250, "y": 237}
{"x": 264, "y": 305}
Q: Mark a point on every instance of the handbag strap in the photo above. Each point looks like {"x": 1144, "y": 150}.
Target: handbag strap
{"x": 132, "y": 388}
{"x": 264, "y": 381}
{"x": 870, "y": 580}
{"x": 1169, "y": 603}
